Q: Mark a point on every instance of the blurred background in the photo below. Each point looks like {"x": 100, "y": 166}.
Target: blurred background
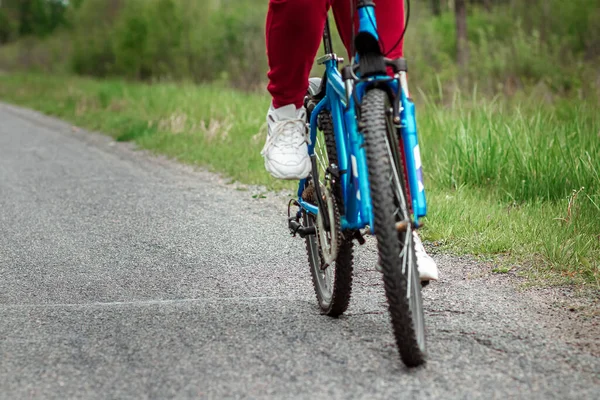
{"x": 551, "y": 47}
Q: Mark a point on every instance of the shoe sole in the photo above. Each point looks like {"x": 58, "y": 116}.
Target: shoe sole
{"x": 288, "y": 176}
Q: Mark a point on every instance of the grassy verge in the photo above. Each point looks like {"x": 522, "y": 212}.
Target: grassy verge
{"x": 519, "y": 182}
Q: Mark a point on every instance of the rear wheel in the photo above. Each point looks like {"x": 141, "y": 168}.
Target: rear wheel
{"x": 330, "y": 251}
{"x": 393, "y": 228}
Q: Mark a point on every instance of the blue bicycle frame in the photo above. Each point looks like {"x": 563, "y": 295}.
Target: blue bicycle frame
{"x": 342, "y": 99}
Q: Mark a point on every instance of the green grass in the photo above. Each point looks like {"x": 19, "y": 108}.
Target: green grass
{"x": 519, "y": 183}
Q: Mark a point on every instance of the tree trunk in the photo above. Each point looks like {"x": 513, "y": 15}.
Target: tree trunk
{"x": 436, "y": 7}
{"x": 462, "y": 45}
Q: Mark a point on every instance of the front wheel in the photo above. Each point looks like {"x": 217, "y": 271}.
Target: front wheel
{"x": 393, "y": 227}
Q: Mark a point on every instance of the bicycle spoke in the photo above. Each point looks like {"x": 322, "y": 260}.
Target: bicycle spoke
{"x": 409, "y": 277}
{"x": 319, "y": 148}
{"x": 397, "y": 185}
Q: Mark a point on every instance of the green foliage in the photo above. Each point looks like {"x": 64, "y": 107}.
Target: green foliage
{"x": 549, "y": 47}
{"x": 131, "y": 44}
{"x": 6, "y": 27}
{"x": 31, "y": 17}
{"x": 93, "y": 28}
{"x": 170, "y": 39}
{"x": 36, "y": 54}
{"x": 238, "y": 45}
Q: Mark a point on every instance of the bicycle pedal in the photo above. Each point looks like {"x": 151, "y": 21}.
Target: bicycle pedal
{"x": 298, "y": 229}
{"x": 359, "y": 237}
{"x": 293, "y": 226}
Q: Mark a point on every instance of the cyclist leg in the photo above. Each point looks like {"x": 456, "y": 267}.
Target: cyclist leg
{"x": 293, "y": 34}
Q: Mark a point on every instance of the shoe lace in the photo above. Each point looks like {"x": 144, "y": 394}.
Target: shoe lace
{"x": 287, "y": 133}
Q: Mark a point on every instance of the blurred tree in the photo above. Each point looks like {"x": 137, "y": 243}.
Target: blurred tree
{"x": 6, "y": 29}
{"x": 32, "y": 17}
{"x": 436, "y": 7}
{"x": 487, "y": 4}
{"x": 462, "y": 45}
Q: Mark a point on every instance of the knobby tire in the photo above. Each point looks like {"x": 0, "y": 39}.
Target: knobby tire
{"x": 406, "y": 314}
{"x": 343, "y": 265}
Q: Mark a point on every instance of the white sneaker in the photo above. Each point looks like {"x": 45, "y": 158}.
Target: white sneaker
{"x": 286, "y": 149}
{"x": 428, "y": 270}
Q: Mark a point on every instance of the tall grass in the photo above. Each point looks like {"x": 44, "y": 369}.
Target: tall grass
{"x": 527, "y": 152}
{"x": 536, "y": 164}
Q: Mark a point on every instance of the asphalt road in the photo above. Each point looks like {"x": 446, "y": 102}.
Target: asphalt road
{"x": 124, "y": 275}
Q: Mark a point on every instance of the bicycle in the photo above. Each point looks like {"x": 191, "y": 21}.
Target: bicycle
{"x": 367, "y": 165}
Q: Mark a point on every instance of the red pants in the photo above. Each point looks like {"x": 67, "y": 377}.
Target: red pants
{"x": 294, "y": 31}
